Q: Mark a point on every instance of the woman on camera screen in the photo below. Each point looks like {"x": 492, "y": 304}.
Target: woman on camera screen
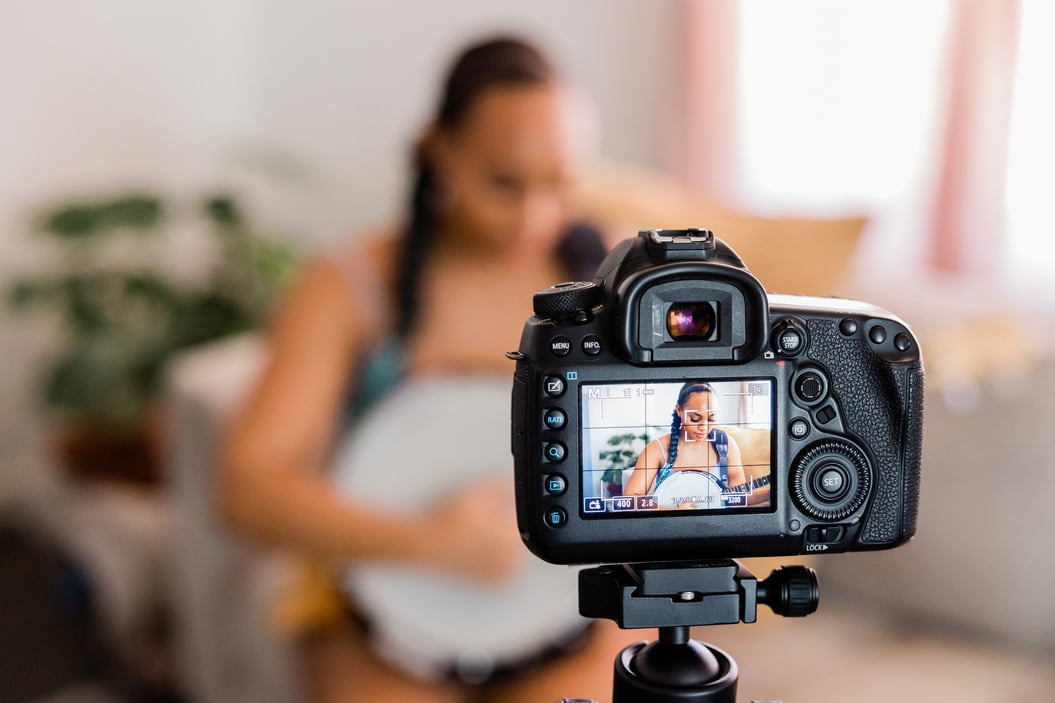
{"x": 695, "y": 463}
{"x": 396, "y": 341}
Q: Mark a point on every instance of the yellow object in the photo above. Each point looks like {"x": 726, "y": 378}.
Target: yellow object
{"x": 310, "y": 603}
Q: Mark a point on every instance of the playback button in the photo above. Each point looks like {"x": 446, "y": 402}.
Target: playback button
{"x": 556, "y": 485}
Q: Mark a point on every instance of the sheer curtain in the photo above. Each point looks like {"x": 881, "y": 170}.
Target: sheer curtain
{"x": 935, "y": 118}
{"x": 1030, "y": 244}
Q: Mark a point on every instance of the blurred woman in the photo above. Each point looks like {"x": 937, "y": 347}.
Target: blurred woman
{"x": 445, "y": 292}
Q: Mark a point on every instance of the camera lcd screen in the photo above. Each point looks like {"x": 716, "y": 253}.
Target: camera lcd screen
{"x": 690, "y": 446}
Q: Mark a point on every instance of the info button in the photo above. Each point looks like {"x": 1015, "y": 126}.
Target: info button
{"x": 591, "y": 344}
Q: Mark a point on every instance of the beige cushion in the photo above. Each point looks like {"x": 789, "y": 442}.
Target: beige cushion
{"x": 754, "y": 450}
{"x": 811, "y": 256}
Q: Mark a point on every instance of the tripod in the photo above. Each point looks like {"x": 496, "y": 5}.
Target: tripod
{"x": 674, "y": 597}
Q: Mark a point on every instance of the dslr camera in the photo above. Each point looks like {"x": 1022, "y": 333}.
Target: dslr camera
{"x": 673, "y": 410}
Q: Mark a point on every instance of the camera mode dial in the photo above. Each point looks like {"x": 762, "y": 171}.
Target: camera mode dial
{"x": 830, "y": 480}
{"x": 564, "y": 300}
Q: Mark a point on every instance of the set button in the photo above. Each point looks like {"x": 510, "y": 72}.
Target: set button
{"x": 831, "y": 482}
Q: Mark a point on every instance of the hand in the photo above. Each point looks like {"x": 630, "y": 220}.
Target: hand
{"x": 474, "y": 533}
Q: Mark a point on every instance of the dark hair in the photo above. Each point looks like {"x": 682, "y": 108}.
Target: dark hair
{"x": 675, "y": 423}
{"x": 503, "y": 61}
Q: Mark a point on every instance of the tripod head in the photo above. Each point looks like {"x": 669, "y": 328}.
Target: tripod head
{"x": 675, "y": 597}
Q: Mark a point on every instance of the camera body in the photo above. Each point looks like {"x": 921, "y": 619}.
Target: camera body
{"x": 672, "y": 410}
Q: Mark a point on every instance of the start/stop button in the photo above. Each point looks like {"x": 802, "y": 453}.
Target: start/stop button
{"x": 789, "y": 338}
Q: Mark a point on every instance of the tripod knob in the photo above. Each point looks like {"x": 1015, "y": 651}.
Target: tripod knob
{"x": 791, "y": 591}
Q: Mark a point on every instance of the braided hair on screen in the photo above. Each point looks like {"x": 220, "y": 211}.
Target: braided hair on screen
{"x": 675, "y": 424}
{"x": 499, "y": 62}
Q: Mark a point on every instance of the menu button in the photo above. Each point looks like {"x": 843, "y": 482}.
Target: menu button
{"x": 560, "y": 346}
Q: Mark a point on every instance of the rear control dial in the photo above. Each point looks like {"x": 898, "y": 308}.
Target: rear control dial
{"x": 830, "y": 480}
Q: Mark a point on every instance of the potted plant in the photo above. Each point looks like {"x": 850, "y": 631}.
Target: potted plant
{"x": 622, "y": 453}
{"x": 124, "y": 314}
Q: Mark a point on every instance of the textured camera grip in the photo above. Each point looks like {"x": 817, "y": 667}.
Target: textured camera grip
{"x": 913, "y": 450}
{"x": 882, "y": 405}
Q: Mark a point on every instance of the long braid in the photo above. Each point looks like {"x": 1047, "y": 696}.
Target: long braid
{"x": 417, "y": 243}
{"x": 675, "y": 422}
{"x": 504, "y": 61}
{"x": 675, "y": 432}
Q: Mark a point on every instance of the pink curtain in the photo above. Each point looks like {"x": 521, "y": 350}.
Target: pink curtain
{"x": 967, "y": 206}
{"x": 702, "y": 146}
{"x": 968, "y": 216}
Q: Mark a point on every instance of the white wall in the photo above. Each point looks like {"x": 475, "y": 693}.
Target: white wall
{"x": 116, "y": 93}
{"x": 351, "y": 84}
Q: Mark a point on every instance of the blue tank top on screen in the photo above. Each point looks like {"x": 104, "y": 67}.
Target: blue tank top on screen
{"x": 720, "y": 440}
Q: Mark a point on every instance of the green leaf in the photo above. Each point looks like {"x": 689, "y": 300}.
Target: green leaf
{"x": 28, "y": 292}
{"x": 87, "y": 383}
{"x": 209, "y": 316}
{"x": 125, "y": 325}
{"x": 136, "y": 210}
{"x": 224, "y": 211}
{"x": 71, "y": 222}
{"x": 151, "y": 288}
{"x": 82, "y": 220}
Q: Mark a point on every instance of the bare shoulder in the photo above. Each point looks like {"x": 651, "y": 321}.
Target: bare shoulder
{"x": 323, "y": 299}
{"x": 654, "y": 453}
{"x": 375, "y": 250}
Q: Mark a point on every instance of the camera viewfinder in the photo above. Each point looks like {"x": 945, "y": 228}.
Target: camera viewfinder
{"x": 692, "y": 321}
